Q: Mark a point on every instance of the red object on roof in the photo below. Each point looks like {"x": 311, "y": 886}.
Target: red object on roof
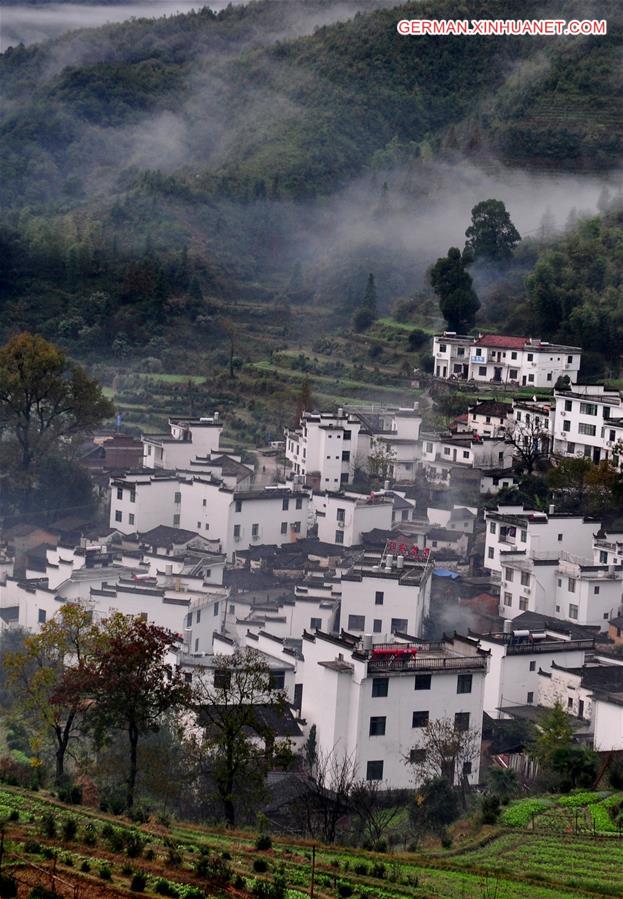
{"x": 498, "y": 340}
{"x": 394, "y": 651}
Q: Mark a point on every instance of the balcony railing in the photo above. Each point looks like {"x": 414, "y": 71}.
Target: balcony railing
{"x": 540, "y": 646}
{"x": 418, "y": 663}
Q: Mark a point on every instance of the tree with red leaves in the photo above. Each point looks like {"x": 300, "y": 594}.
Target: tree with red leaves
{"x": 127, "y": 683}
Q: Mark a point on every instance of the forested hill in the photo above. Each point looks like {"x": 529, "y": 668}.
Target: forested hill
{"x": 214, "y": 145}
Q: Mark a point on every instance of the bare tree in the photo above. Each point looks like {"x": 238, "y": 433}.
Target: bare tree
{"x": 381, "y": 460}
{"x": 530, "y": 440}
{"x": 376, "y": 806}
{"x": 445, "y": 750}
{"x": 330, "y": 778}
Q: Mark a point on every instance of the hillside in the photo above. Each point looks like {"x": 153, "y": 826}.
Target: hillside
{"x": 102, "y": 855}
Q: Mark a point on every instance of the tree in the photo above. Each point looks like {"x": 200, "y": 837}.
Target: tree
{"x": 367, "y": 312}
{"x": 491, "y": 235}
{"x": 434, "y": 807}
{"x": 444, "y": 751}
{"x": 575, "y": 765}
{"x": 582, "y": 486}
{"x": 381, "y": 460}
{"x": 530, "y": 439}
{"x": 453, "y": 285}
{"x": 236, "y": 704}
{"x": 304, "y": 400}
{"x": 44, "y": 399}
{"x": 376, "y": 806}
{"x": 554, "y": 733}
{"x": 37, "y": 672}
{"x": 329, "y": 780}
{"x": 127, "y": 682}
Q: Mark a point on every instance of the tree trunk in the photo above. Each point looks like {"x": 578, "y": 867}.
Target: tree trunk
{"x": 133, "y": 735}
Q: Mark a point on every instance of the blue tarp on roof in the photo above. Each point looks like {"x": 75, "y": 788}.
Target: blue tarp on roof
{"x": 445, "y": 572}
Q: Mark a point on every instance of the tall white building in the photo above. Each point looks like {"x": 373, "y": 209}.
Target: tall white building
{"x": 500, "y": 359}
{"x": 371, "y": 702}
{"x": 185, "y": 440}
{"x": 343, "y": 517}
{"x": 582, "y": 424}
{"x": 324, "y": 448}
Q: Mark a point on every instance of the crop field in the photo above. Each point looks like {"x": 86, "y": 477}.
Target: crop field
{"x": 82, "y": 853}
{"x": 581, "y": 812}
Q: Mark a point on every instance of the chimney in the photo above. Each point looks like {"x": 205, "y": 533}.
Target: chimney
{"x": 366, "y": 642}
{"x": 508, "y": 626}
{"x": 400, "y": 562}
{"x": 552, "y": 509}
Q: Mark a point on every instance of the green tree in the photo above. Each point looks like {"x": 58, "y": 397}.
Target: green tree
{"x": 37, "y": 671}
{"x": 304, "y": 400}
{"x": 128, "y": 683}
{"x": 44, "y": 399}
{"x": 491, "y": 235}
{"x": 230, "y": 701}
{"x": 367, "y": 312}
{"x": 554, "y": 733}
{"x": 453, "y": 285}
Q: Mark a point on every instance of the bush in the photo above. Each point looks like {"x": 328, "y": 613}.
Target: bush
{"x": 116, "y": 840}
{"x": 104, "y": 872}
{"x": 214, "y": 869}
{"x": 378, "y": 870}
{"x": 48, "y": 825}
{"x": 616, "y": 776}
{"x": 138, "y": 882}
{"x": 32, "y": 847}
{"x": 70, "y": 829}
{"x": 490, "y": 809}
{"x": 260, "y": 865}
{"x": 41, "y": 892}
{"x": 14, "y": 815}
{"x": 344, "y": 889}
{"x": 361, "y": 868}
{"x": 85, "y": 867}
{"x": 139, "y": 815}
{"x": 164, "y": 819}
{"x": 150, "y": 854}
{"x": 127, "y": 870}
{"x": 263, "y": 842}
{"x": 8, "y": 886}
{"x": 134, "y": 844}
{"x": 174, "y": 856}
{"x": 164, "y": 888}
{"x": 89, "y": 836}
{"x": 70, "y": 793}
{"x": 68, "y": 860}
{"x": 226, "y": 855}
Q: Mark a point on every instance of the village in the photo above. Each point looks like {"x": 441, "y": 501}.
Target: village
{"x": 430, "y": 598}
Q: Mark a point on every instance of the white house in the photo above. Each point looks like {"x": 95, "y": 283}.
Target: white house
{"x": 442, "y": 453}
{"x": 499, "y": 359}
{"x": 343, "y": 517}
{"x": 582, "y": 421}
{"x": 371, "y": 701}
{"x": 140, "y": 502}
{"x": 488, "y": 418}
{"x": 324, "y": 448}
{"x": 388, "y": 592}
{"x": 186, "y": 439}
{"x": 517, "y": 654}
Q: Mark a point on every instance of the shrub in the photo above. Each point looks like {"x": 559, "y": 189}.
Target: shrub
{"x": 164, "y": 888}
{"x": 104, "y": 872}
{"x": 260, "y": 865}
{"x": 127, "y": 870}
{"x": 194, "y": 893}
{"x": 378, "y": 870}
{"x": 275, "y": 890}
{"x": 47, "y": 852}
{"x": 239, "y": 882}
{"x": 14, "y": 815}
{"x": 150, "y": 854}
{"x": 68, "y": 860}
{"x": 263, "y": 842}
{"x": 174, "y": 856}
{"x": 70, "y": 829}
{"x": 107, "y": 830}
{"x": 361, "y": 868}
{"x": 116, "y": 840}
{"x": 89, "y": 836}
{"x": 164, "y": 819}
{"x": 85, "y": 867}
{"x": 32, "y": 847}
{"x": 41, "y": 892}
{"x": 344, "y": 889}
{"x": 490, "y": 809}
{"x": 70, "y": 793}
{"x": 139, "y": 815}
{"x": 134, "y": 844}
{"x": 138, "y": 882}
{"x": 8, "y": 886}
{"x": 214, "y": 869}
{"x": 48, "y": 825}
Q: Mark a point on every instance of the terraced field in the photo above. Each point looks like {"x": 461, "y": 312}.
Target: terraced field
{"x": 82, "y": 853}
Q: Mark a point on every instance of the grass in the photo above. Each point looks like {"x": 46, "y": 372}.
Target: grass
{"x": 508, "y": 866}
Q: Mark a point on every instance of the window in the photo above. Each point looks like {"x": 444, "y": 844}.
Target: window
{"x": 232, "y": 609}
{"x": 315, "y": 623}
{"x": 197, "y": 645}
{"x": 570, "y": 447}
{"x": 568, "y": 405}
{"x": 198, "y": 525}
{"x": 377, "y": 726}
{"x": 530, "y": 697}
{"x": 531, "y": 378}
{"x": 399, "y": 624}
{"x": 347, "y": 435}
{"x": 222, "y": 680}
{"x": 420, "y": 719}
{"x": 356, "y": 622}
{"x": 560, "y": 538}
{"x": 482, "y": 370}
{"x": 176, "y": 521}
{"x": 530, "y": 357}
{"x": 446, "y": 450}
{"x": 378, "y": 598}
{"x": 596, "y": 591}
{"x": 442, "y": 347}
{"x": 374, "y": 770}
{"x": 237, "y": 532}
{"x": 205, "y": 503}
{"x": 41, "y": 616}
{"x": 380, "y": 686}
{"x": 215, "y": 609}
{"x": 492, "y": 527}
{"x": 345, "y": 455}
{"x": 285, "y": 504}
{"x": 513, "y": 355}
{"x": 429, "y": 447}
{"x": 198, "y": 616}
{"x": 508, "y": 599}
{"x": 467, "y": 768}
{"x": 566, "y": 426}
{"x": 588, "y": 430}
{"x": 603, "y": 556}
{"x": 417, "y": 756}
{"x": 460, "y": 351}
{"x": 464, "y": 683}
{"x": 276, "y": 680}
{"x": 523, "y": 536}
{"x": 523, "y": 603}
{"x": 377, "y": 625}
{"x": 466, "y": 454}
{"x": 549, "y": 376}
{"x": 573, "y": 611}
{"x": 461, "y": 721}
{"x": 571, "y": 585}
{"x": 513, "y": 374}
{"x": 422, "y": 681}
{"x": 525, "y": 579}
{"x": 532, "y": 666}
{"x": 569, "y": 360}
{"x": 284, "y": 527}
{"x": 178, "y": 497}
{"x": 118, "y": 516}
{"x": 339, "y": 536}
{"x": 508, "y": 574}
{"x": 490, "y": 552}
{"x": 131, "y": 518}
{"x": 588, "y": 409}
{"x": 299, "y": 502}
{"x": 255, "y": 530}
{"x": 296, "y": 527}
{"x": 119, "y": 492}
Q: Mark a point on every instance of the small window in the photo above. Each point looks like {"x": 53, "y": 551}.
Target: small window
{"x": 276, "y": 680}
{"x": 525, "y": 579}
{"x": 296, "y": 527}
{"x": 508, "y": 574}
{"x": 596, "y": 591}
{"x": 380, "y": 686}
{"x": 508, "y": 599}
{"x": 571, "y": 585}
{"x": 198, "y": 616}
{"x": 530, "y": 357}
{"x": 299, "y": 502}
{"x": 377, "y": 726}
{"x": 560, "y": 538}
{"x": 461, "y": 721}
{"x": 339, "y": 537}
{"x": 378, "y": 598}
{"x": 237, "y": 531}
{"x": 356, "y": 622}
{"x": 513, "y": 355}
{"x": 119, "y": 492}
{"x": 232, "y": 609}
{"x": 492, "y": 527}
{"x": 238, "y": 506}
{"x": 176, "y": 521}
{"x": 573, "y": 612}
{"x": 420, "y": 719}
{"x": 374, "y": 770}
{"x": 285, "y": 504}
{"x": 568, "y": 405}
{"x": 118, "y": 515}
{"x": 178, "y": 497}
{"x": 315, "y": 623}
{"x": 490, "y": 552}
{"x": 222, "y": 680}
{"x": 377, "y": 625}
{"x": 399, "y": 624}
{"x": 464, "y": 683}
{"x": 482, "y": 370}
{"x": 422, "y": 681}
{"x": 417, "y": 756}
{"x": 532, "y": 666}
{"x": 467, "y": 768}
{"x": 523, "y": 536}
{"x": 255, "y": 530}
{"x": 284, "y": 527}
{"x": 42, "y": 616}
{"x": 197, "y": 645}
{"x": 131, "y": 518}
{"x": 523, "y": 603}
{"x": 215, "y": 609}
{"x": 205, "y": 503}
{"x": 530, "y": 697}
